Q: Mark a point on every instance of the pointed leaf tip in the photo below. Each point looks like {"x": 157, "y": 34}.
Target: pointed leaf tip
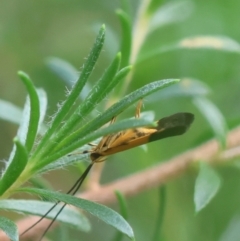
{"x": 22, "y": 74}
{"x": 207, "y": 185}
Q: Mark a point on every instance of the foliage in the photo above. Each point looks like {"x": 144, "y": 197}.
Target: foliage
{"x": 40, "y": 146}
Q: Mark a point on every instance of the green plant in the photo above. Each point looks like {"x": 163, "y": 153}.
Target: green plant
{"x": 27, "y": 160}
{"x": 39, "y": 149}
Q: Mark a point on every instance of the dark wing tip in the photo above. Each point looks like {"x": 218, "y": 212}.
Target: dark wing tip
{"x": 181, "y": 119}
{"x": 188, "y": 118}
{"x": 173, "y": 125}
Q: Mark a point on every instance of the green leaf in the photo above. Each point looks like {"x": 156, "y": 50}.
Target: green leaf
{"x": 43, "y": 109}
{"x": 207, "y": 185}
{"x": 232, "y": 232}
{"x": 214, "y": 118}
{"x": 161, "y": 212}
{"x": 15, "y": 167}
{"x": 63, "y": 70}
{"x": 126, "y": 39}
{"x": 76, "y": 157}
{"x": 40, "y": 182}
{"x": 153, "y": 6}
{"x": 67, "y": 73}
{"x": 128, "y": 100}
{"x": 10, "y": 112}
{"x": 126, "y": 7}
{"x": 23, "y": 128}
{"x": 63, "y": 234}
{"x": 33, "y": 122}
{"x": 123, "y": 72}
{"x": 118, "y": 107}
{"x": 99, "y": 91}
{"x": 24, "y": 124}
{"x": 10, "y": 228}
{"x": 187, "y": 87}
{"x": 114, "y": 128}
{"x": 123, "y": 211}
{"x": 112, "y": 39}
{"x": 68, "y": 216}
{"x": 74, "y": 93}
{"x": 103, "y": 118}
{"x": 219, "y": 43}
{"x": 60, "y": 163}
{"x": 100, "y": 120}
{"x": 122, "y": 204}
{"x": 172, "y": 12}
{"x": 104, "y": 213}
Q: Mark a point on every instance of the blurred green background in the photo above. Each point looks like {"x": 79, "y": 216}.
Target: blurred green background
{"x": 32, "y": 31}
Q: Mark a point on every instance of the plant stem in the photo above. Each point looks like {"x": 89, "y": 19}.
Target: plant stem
{"x": 140, "y": 30}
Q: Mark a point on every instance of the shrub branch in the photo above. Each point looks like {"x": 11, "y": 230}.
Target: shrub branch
{"x": 147, "y": 179}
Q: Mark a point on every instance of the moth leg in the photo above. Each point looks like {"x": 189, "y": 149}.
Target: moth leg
{"x": 79, "y": 153}
{"x": 95, "y": 175}
{"x": 113, "y": 120}
{"x": 113, "y": 138}
{"x": 103, "y": 142}
{"x": 138, "y": 109}
{"x": 92, "y": 144}
{"x": 100, "y": 159}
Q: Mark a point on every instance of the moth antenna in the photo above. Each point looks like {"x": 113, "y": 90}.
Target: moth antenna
{"x": 74, "y": 188}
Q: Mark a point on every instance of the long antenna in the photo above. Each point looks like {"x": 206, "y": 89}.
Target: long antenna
{"x": 72, "y": 190}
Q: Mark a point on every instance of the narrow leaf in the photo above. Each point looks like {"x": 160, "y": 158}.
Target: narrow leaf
{"x": 123, "y": 211}
{"x": 99, "y": 91}
{"x": 160, "y": 214}
{"x": 100, "y": 120}
{"x": 222, "y": 43}
{"x": 219, "y": 43}
{"x": 67, "y": 73}
{"x": 14, "y": 168}
{"x": 33, "y": 123}
{"x": 214, "y": 118}
{"x": 40, "y": 182}
{"x": 118, "y": 107}
{"x": 136, "y": 95}
{"x": 68, "y": 216}
{"x": 63, "y": 70}
{"x": 207, "y": 185}
{"x": 76, "y": 157}
{"x": 111, "y": 41}
{"x": 10, "y": 228}
{"x": 10, "y": 112}
{"x": 122, "y": 204}
{"x": 24, "y": 127}
{"x": 104, "y": 213}
{"x": 119, "y": 126}
{"x": 187, "y": 87}
{"x": 126, "y": 7}
{"x": 89, "y": 103}
{"x": 153, "y": 6}
{"x": 22, "y": 130}
{"x": 72, "y": 97}
{"x": 43, "y": 109}
{"x": 123, "y": 72}
{"x": 232, "y": 232}
{"x": 172, "y": 12}
{"x": 126, "y": 36}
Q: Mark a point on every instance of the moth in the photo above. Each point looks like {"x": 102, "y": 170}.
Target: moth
{"x": 176, "y": 124}
{"x": 173, "y": 125}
